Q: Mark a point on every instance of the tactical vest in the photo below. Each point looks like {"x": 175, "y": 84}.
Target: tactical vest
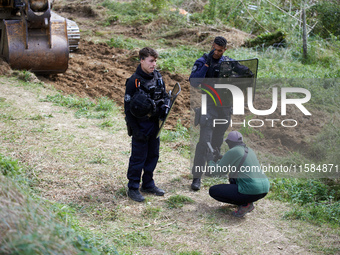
{"x": 154, "y": 88}
{"x": 216, "y": 67}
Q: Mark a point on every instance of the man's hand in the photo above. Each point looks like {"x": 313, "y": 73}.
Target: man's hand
{"x": 217, "y": 155}
{"x": 210, "y": 56}
{"x": 164, "y": 110}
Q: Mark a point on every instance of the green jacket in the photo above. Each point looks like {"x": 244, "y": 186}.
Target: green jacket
{"x": 250, "y": 178}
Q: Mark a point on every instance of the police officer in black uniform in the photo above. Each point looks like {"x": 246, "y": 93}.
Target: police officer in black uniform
{"x": 208, "y": 66}
{"x": 145, "y": 102}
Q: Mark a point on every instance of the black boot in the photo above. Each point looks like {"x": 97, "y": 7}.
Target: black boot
{"x": 196, "y": 184}
{"x": 155, "y": 190}
{"x": 135, "y": 195}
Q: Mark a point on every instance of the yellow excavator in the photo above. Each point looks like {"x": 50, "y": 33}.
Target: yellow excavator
{"x": 34, "y": 38}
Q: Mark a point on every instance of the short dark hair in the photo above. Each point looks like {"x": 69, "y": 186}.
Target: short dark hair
{"x": 221, "y": 41}
{"x": 146, "y": 52}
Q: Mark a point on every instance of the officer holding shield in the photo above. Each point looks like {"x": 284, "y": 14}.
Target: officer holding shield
{"x": 208, "y": 66}
{"x": 145, "y": 102}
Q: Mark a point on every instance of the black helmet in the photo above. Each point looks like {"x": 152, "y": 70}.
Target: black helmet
{"x": 141, "y": 104}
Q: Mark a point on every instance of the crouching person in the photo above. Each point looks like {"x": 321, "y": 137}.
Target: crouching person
{"x": 247, "y": 183}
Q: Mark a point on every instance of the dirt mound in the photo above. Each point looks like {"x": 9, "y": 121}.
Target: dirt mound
{"x": 77, "y": 9}
{"x": 5, "y": 69}
{"x": 98, "y": 70}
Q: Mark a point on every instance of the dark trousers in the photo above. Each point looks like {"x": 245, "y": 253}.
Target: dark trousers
{"x": 209, "y": 133}
{"x": 228, "y": 193}
{"x": 144, "y": 157}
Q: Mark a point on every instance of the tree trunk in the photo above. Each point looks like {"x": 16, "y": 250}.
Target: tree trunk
{"x": 304, "y": 33}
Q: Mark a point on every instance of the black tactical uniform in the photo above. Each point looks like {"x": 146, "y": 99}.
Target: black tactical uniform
{"x": 208, "y": 133}
{"x": 144, "y": 104}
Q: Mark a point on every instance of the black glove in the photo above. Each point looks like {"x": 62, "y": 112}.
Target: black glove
{"x": 162, "y": 108}
{"x": 209, "y": 57}
{"x": 163, "y": 111}
{"x": 217, "y": 155}
{"x": 210, "y": 156}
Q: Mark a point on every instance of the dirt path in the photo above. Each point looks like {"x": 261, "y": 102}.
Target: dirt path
{"x": 74, "y": 161}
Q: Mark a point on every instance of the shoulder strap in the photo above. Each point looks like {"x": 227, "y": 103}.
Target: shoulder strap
{"x": 157, "y": 73}
{"x": 243, "y": 159}
{"x": 233, "y": 176}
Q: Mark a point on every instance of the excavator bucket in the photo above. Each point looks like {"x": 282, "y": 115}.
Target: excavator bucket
{"x": 36, "y": 49}
{"x": 34, "y": 38}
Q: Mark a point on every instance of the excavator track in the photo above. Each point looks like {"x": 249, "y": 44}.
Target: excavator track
{"x": 73, "y": 35}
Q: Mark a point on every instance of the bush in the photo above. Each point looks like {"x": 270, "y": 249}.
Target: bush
{"x": 313, "y": 200}
{"x": 9, "y": 167}
{"x": 276, "y": 39}
{"x": 328, "y": 15}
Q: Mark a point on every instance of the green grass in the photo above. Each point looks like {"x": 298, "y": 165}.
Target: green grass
{"x": 178, "y": 201}
{"x": 179, "y": 133}
{"x": 179, "y": 59}
{"x": 246, "y": 130}
{"x": 151, "y": 211}
{"x": 9, "y": 167}
{"x": 86, "y": 108}
{"x": 31, "y": 225}
{"x": 70, "y": 101}
{"x": 127, "y": 43}
{"x": 314, "y": 200}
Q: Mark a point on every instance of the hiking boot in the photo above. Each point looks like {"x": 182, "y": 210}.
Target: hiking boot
{"x": 135, "y": 195}
{"x": 155, "y": 190}
{"x": 242, "y": 210}
{"x": 196, "y": 184}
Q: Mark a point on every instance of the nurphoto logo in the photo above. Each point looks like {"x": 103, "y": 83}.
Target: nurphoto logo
{"x": 238, "y": 104}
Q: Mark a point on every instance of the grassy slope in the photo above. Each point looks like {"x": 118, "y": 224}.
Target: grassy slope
{"x": 82, "y": 163}
{"x": 76, "y": 162}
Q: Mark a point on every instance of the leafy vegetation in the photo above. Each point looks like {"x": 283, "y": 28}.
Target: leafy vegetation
{"x": 314, "y": 200}
{"x": 276, "y": 39}
{"x": 327, "y": 13}
{"x": 264, "y": 20}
